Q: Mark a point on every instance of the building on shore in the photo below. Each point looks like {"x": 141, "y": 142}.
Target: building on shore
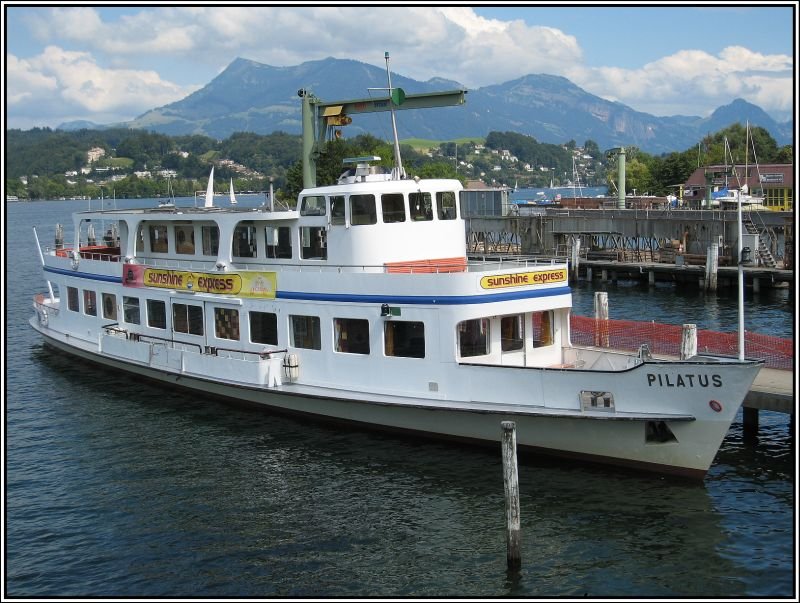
{"x": 774, "y": 182}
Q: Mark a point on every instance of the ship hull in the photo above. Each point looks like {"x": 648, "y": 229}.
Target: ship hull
{"x": 607, "y": 438}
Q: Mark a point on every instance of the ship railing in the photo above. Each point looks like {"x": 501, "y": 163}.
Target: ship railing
{"x": 41, "y": 305}
{"x": 484, "y": 263}
{"x": 101, "y": 253}
{"x": 115, "y": 329}
{"x": 176, "y": 264}
{"x": 232, "y": 353}
{"x": 235, "y": 354}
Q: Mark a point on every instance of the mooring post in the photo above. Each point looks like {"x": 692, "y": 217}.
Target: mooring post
{"x": 511, "y": 487}
{"x": 576, "y": 255}
{"x": 688, "y": 341}
{"x": 601, "y": 318}
{"x": 749, "y": 423}
{"x": 712, "y": 263}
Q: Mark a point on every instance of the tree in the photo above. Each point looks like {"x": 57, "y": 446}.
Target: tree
{"x": 591, "y": 148}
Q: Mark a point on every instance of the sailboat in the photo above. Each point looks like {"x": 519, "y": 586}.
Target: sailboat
{"x": 233, "y": 197}
{"x": 170, "y": 202}
{"x": 210, "y": 189}
{"x": 733, "y": 199}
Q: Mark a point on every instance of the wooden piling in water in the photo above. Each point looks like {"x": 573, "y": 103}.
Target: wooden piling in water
{"x": 749, "y": 423}
{"x": 601, "y": 315}
{"x": 688, "y": 341}
{"x": 511, "y": 488}
{"x": 712, "y": 266}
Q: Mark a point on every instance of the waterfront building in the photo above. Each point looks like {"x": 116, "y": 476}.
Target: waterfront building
{"x": 774, "y": 182}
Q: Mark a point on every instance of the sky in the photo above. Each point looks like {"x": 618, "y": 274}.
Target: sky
{"x": 108, "y": 64}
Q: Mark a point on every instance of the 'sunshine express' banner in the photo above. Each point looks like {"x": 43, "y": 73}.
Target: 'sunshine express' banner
{"x": 241, "y": 284}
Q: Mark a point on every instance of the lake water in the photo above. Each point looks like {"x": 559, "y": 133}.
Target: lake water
{"x": 117, "y": 488}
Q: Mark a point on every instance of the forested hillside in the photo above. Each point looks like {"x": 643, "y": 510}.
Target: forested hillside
{"x": 48, "y": 164}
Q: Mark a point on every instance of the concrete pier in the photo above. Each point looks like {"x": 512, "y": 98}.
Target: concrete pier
{"x": 772, "y": 390}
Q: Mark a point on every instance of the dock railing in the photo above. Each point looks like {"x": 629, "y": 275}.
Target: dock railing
{"x": 777, "y": 352}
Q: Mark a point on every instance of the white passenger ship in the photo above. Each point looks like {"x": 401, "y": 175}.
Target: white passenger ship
{"x": 361, "y": 305}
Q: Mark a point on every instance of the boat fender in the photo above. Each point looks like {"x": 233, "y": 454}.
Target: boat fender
{"x": 76, "y": 258}
{"x": 291, "y": 367}
{"x": 715, "y": 405}
{"x": 42, "y": 316}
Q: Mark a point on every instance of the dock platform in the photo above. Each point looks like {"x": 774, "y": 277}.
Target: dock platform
{"x": 757, "y": 277}
{"x": 772, "y": 390}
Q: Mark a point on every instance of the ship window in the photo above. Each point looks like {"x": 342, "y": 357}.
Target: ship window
{"x": 542, "y": 324}
{"x": 404, "y": 338}
{"x": 337, "y": 209}
{"x": 362, "y": 210}
{"x": 226, "y": 323}
{"x": 158, "y": 238}
{"x": 264, "y": 328}
{"x": 279, "y": 242}
{"x": 446, "y": 205}
{"x": 130, "y": 310}
{"x": 306, "y": 332}
{"x": 210, "y": 236}
{"x": 184, "y": 239}
{"x": 110, "y": 306}
{"x": 314, "y": 246}
{"x": 72, "y": 299}
{"x": 351, "y": 335}
{"x": 244, "y": 240}
{"x": 421, "y": 206}
{"x": 473, "y": 337}
{"x": 394, "y": 208}
{"x": 89, "y": 302}
{"x": 313, "y": 205}
{"x": 140, "y": 238}
{"x": 156, "y": 314}
{"x": 512, "y": 333}
{"x": 187, "y": 318}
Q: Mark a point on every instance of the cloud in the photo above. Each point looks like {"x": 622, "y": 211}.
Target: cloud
{"x": 59, "y": 84}
{"x": 695, "y": 82}
{"x": 445, "y": 40}
{"x": 123, "y": 48}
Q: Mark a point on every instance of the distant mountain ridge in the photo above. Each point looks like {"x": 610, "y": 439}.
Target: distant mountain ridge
{"x": 254, "y": 97}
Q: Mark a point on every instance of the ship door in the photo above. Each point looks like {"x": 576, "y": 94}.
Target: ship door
{"x": 188, "y": 325}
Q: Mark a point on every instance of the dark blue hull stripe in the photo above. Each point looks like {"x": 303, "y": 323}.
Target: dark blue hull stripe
{"x": 93, "y": 277}
{"x": 444, "y": 300}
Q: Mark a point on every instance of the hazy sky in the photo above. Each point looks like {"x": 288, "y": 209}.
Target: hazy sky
{"x": 109, "y": 64}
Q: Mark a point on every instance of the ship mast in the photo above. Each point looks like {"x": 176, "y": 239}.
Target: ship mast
{"x": 398, "y": 172}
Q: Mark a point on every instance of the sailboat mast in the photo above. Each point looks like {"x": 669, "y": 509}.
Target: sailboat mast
{"x": 740, "y": 271}
{"x": 397, "y": 161}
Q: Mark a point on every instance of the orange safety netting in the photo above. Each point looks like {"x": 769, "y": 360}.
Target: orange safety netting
{"x": 666, "y": 339}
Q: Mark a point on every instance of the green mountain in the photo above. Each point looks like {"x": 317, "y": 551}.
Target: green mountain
{"x": 252, "y": 97}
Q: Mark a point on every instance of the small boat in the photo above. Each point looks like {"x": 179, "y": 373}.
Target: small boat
{"x": 361, "y": 305}
{"x": 209, "y": 202}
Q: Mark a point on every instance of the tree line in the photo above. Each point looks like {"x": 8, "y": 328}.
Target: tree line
{"x": 42, "y": 157}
